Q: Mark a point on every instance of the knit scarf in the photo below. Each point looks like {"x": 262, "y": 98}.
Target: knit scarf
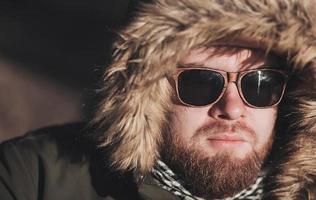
{"x": 166, "y": 179}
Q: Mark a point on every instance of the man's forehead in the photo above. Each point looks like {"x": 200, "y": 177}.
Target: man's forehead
{"x": 229, "y": 58}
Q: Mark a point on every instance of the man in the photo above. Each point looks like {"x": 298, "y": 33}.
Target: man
{"x": 204, "y": 100}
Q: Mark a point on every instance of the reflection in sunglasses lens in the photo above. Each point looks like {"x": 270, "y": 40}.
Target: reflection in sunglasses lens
{"x": 262, "y": 88}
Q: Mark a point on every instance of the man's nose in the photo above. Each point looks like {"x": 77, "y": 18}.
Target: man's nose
{"x": 230, "y": 106}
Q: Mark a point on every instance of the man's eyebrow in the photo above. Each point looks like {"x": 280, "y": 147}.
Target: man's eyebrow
{"x": 193, "y": 64}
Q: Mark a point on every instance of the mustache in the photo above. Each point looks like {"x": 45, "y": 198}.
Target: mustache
{"x": 217, "y": 128}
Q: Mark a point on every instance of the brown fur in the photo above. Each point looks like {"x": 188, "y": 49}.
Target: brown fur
{"x": 137, "y": 95}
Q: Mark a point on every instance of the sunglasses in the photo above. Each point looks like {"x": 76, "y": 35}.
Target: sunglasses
{"x": 258, "y": 88}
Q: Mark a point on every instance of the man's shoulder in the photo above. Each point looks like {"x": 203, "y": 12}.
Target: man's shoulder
{"x": 58, "y": 162}
{"x": 63, "y": 162}
{"x": 64, "y": 143}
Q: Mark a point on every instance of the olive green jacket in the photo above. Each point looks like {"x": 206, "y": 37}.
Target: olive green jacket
{"x": 60, "y": 164}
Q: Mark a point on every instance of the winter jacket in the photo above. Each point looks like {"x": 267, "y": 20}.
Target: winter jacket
{"x": 136, "y": 95}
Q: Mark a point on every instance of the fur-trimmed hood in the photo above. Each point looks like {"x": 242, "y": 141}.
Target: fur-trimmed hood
{"x": 137, "y": 94}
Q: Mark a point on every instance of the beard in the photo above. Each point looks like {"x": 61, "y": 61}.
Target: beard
{"x": 218, "y": 176}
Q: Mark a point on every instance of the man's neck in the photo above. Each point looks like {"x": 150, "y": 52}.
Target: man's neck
{"x": 169, "y": 181}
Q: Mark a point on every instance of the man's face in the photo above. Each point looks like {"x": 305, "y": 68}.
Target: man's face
{"x": 228, "y": 135}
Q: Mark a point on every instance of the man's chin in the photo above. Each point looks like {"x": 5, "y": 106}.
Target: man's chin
{"x": 236, "y": 150}
{"x": 218, "y": 176}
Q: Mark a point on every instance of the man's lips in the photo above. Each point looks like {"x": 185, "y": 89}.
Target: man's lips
{"x": 226, "y": 140}
{"x": 226, "y": 137}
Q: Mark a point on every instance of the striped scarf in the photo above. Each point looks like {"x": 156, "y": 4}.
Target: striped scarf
{"x": 166, "y": 179}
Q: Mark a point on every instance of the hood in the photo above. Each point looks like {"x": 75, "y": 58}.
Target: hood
{"x": 136, "y": 94}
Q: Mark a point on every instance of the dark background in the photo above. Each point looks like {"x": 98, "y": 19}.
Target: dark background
{"x": 52, "y": 52}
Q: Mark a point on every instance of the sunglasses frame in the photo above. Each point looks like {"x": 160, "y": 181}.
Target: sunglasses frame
{"x": 230, "y": 77}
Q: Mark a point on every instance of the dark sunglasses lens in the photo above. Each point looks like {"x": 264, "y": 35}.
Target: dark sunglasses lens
{"x": 200, "y": 87}
{"x": 263, "y": 87}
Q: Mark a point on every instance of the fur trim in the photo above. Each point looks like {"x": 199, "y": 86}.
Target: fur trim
{"x": 137, "y": 95}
